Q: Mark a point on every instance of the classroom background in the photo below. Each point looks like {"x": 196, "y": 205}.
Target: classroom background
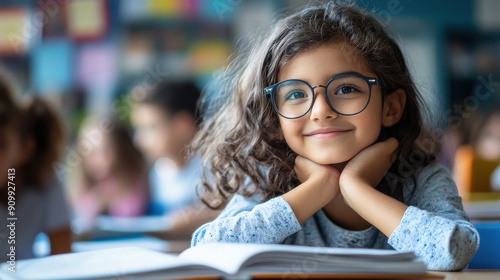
{"x": 89, "y": 57}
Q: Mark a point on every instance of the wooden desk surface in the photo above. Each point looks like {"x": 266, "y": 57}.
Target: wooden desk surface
{"x": 471, "y": 274}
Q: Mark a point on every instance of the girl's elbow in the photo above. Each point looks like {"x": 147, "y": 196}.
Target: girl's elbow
{"x": 465, "y": 251}
{"x": 465, "y": 248}
{"x": 461, "y": 252}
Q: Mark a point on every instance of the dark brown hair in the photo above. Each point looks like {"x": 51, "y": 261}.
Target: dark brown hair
{"x": 34, "y": 120}
{"x": 241, "y": 142}
{"x": 41, "y": 124}
{"x": 172, "y": 97}
{"x": 9, "y": 109}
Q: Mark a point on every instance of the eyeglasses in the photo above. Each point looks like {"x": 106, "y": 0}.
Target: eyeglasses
{"x": 347, "y": 94}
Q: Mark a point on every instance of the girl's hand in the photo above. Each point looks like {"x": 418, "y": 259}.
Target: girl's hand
{"x": 370, "y": 165}
{"x": 326, "y": 176}
{"x": 357, "y": 182}
{"x": 319, "y": 185}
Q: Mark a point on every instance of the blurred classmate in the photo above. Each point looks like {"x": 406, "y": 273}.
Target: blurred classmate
{"x": 113, "y": 177}
{"x": 483, "y": 147}
{"x": 488, "y": 144}
{"x": 486, "y": 136}
{"x": 165, "y": 122}
{"x": 32, "y": 138}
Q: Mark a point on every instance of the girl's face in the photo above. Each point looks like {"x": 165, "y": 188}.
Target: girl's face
{"x": 101, "y": 158}
{"x": 351, "y": 134}
{"x": 157, "y": 134}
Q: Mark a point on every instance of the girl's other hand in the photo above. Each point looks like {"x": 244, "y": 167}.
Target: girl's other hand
{"x": 370, "y": 165}
{"x": 327, "y": 176}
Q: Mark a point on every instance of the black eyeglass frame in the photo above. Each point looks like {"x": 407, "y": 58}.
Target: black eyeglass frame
{"x": 270, "y": 91}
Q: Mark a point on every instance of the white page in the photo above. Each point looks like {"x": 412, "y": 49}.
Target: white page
{"x": 229, "y": 257}
{"x": 113, "y": 263}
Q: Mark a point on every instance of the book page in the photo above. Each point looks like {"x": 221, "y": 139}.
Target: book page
{"x": 111, "y": 263}
{"x": 233, "y": 258}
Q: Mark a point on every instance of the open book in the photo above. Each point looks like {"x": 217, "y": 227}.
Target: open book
{"x": 225, "y": 260}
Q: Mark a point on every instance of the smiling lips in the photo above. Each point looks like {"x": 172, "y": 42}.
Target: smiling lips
{"x": 327, "y": 133}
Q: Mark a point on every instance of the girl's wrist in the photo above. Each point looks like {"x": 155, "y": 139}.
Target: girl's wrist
{"x": 310, "y": 196}
{"x": 350, "y": 185}
{"x": 326, "y": 187}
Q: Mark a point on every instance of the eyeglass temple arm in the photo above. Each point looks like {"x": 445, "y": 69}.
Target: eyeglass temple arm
{"x": 268, "y": 90}
{"x": 376, "y": 82}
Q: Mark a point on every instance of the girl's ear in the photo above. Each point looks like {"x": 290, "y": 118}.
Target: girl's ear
{"x": 394, "y": 105}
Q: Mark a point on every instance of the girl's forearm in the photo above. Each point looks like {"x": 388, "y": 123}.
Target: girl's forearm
{"x": 265, "y": 223}
{"x": 380, "y": 210}
{"x": 309, "y": 197}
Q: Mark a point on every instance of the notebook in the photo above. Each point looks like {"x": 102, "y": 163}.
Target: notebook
{"x": 218, "y": 260}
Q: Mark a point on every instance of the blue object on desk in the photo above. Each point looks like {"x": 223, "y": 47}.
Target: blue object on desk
{"x": 488, "y": 255}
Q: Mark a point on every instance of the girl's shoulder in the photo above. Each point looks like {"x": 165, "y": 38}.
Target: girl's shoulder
{"x": 432, "y": 171}
{"x": 432, "y": 178}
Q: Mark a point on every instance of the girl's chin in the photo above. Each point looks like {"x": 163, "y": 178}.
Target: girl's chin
{"x": 340, "y": 166}
{"x": 333, "y": 161}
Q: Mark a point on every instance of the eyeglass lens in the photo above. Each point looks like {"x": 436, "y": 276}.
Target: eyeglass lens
{"x": 346, "y": 94}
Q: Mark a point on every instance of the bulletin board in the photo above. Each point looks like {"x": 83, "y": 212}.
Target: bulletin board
{"x": 87, "y": 20}
{"x": 14, "y": 39}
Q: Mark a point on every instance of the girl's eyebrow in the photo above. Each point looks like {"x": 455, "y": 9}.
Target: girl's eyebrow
{"x": 331, "y": 76}
{"x": 342, "y": 73}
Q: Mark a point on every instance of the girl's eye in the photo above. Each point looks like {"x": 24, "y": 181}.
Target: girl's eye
{"x": 294, "y": 95}
{"x": 345, "y": 90}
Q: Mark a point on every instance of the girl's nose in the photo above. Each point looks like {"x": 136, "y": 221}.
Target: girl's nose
{"x": 320, "y": 109}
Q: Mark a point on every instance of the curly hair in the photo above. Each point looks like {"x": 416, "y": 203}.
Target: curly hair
{"x": 241, "y": 140}
{"x": 33, "y": 119}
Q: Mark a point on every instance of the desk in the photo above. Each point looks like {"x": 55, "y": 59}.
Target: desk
{"x": 471, "y": 274}
{"x": 483, "y": 210}
{"x": 462, "y": 275}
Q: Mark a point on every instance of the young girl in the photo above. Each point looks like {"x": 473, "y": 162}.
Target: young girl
{"x": 317, "y": 142}
{"x": 32, "y": 140}
{"x": 113, "y": 179}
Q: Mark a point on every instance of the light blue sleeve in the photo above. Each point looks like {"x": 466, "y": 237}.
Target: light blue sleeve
{"x": 435, "y": 225}
{"x": 246, "y": 220}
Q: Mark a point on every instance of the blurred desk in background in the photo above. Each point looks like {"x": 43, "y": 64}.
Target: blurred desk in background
{"x": 150, "y": 232}
{"x": 483, "y": 209}
{"x": 485, "y": 216}
{"x": 143, "y": 224}
{"x": 148, "y": 242}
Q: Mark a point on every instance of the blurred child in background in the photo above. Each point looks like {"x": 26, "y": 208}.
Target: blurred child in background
{"x": 486, "y": 136}
{"x": 32, "y": 138}
{"x": 482, "y": 145}
{"x": 487, "y": 143}
{"x": 113, "y": 177}
{"x": 166, "y": 122}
